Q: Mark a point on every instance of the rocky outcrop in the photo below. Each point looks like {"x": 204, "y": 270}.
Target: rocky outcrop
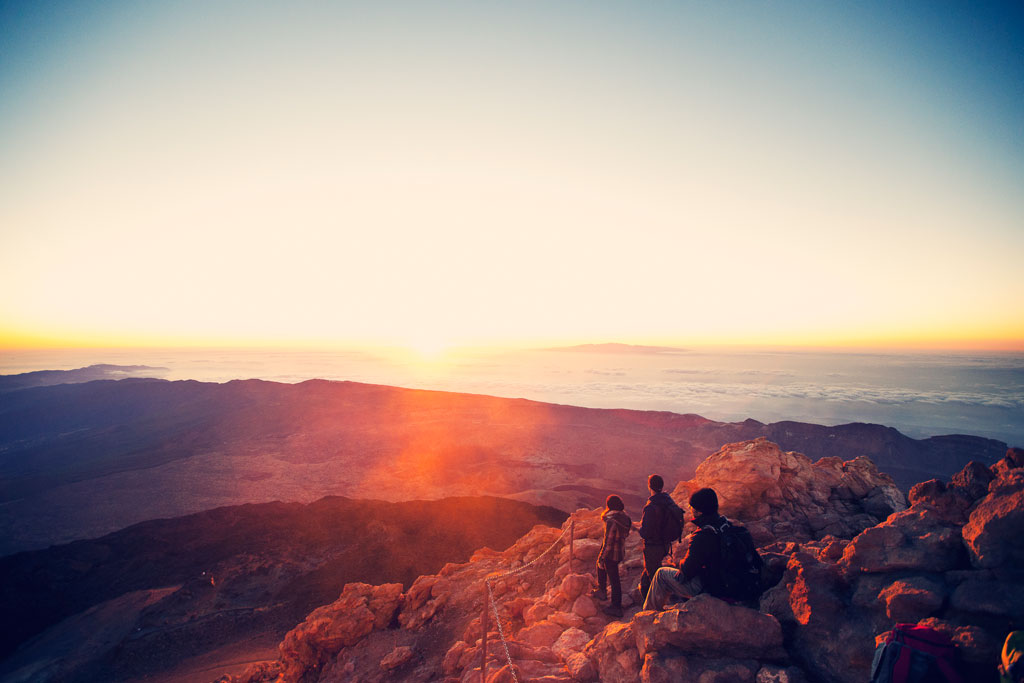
{"x": 831, "y": 596}
{"x": 361, "y": 609}
{"x": 785, "y": 496}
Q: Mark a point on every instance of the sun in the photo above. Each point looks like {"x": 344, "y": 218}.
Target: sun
{"x": 428, "y": 347}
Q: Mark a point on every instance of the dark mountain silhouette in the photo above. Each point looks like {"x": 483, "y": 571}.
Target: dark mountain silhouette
{"x": 81, "y": 460}
{"x": 167, "y": 590}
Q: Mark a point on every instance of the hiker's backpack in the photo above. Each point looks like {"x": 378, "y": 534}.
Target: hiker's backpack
{"x": 740, "y": 576}
{"x": 914, "y": 654}
{"x": 671, "y": 524}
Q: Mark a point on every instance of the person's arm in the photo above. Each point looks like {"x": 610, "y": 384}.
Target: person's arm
{"x": 697, "y": 555}
{"x": 646, "y": 522}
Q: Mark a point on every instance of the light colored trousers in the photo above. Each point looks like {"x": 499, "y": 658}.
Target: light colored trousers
{"x": 668, "y": 581}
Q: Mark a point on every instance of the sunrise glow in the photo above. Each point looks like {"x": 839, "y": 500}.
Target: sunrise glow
{"x": 439, "y": 176}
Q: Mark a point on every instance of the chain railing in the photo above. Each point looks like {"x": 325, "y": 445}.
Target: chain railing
{"x": 489, "y": 599}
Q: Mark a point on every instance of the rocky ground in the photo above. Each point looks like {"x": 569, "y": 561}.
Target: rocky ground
{"x": 845, "y": 559}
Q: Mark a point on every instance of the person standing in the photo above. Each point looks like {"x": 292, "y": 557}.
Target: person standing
{"x": 616, "y": 527}
{"x": 661, "y": 524}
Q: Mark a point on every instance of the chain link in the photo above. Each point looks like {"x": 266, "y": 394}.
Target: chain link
{"x": 494, "y": 605}
{"x": 501, "y": 631}
{"x": 494, "y": 576}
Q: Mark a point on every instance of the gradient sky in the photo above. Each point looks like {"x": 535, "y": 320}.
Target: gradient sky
{"x": 428, "y": 174}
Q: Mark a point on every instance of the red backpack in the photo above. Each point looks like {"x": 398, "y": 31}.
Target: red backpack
{"x": 911, "y": 654}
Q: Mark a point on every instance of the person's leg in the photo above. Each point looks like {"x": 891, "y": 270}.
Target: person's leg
{"x": 653, "y": 555}
{"x": 616, "y": 586}
{"x": 668, "y": 581}
{"x": 602, "y": 579}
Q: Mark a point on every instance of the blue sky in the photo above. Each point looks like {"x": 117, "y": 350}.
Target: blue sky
{"x": 437, "y": 174}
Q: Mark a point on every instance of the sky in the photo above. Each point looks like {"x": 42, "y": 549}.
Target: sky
{"x": 481, "y": 173}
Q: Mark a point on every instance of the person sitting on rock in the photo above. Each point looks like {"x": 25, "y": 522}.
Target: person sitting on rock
{"x": 661, "y": 524}
{"x": 616, "y": 527}
{"x": 704, "y": 567}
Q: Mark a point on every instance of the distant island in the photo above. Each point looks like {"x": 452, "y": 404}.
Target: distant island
{"x": 46, "y": 378}
{"x": 615, "y": 347}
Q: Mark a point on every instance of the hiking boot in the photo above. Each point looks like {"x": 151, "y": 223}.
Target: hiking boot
{"x": 599, "y": 594}
{"x": 613, "y": 611}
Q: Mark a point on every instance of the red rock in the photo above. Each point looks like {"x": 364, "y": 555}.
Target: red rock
{"x": 580, "y": 668}
{"x": 541, "y": 634}
{"x": 539, "y": 612}
{"x": 912, "y": 599}
{"x": 574, "y": 585}
{"x": 828, "y": 639}
{"x": 360, "y": 609}
{"x": 452, "y": 659}
{"x": 707, "y": 626}
{"x": 572, "y": 640}
{"x": 919, "y": 538}
{"x": 783, "y": 495}
{"x": 584, "y": 606}
{"x": 613, "y": 654}
{"x": 973, "y": 480}
{"x": 567, "y": 619}
{"x": 993, "y": 531}
{"x": 425, "y": 597}
{"x": 398, "y": 657}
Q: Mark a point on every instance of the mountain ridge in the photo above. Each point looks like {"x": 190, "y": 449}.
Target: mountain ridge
{"x": 82, "y": 460}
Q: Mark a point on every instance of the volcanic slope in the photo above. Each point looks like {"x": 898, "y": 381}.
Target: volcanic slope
{"x": 82, "y": 460}
{"x": 206, "y": 587}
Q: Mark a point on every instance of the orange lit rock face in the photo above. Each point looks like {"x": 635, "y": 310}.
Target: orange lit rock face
{"x": 818, "y": 621}
{"x": 785, "y": 496}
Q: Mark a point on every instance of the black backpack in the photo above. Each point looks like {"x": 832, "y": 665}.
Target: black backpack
{"x": 740, "y": 576}
{"x": 671, "y": 526}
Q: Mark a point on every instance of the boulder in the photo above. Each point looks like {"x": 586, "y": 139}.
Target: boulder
{"x": 584, "y": 606}
{"x": 571, "y": 641}
{"x": 580, "y": 668}
{"x": 919, "y": 538}
{"x": 426, "y": 595}
{"x": 398, "y": 657}
{"x": 912, "y": 599}
{"x": 826, "y": 637}
{"x": 707, "y": 626}
{"x": 613, "y": 654}
{"x": 1013, "y": 459}
{"x": 783, "y": 495}
{"x": 541, "y": 634}
{"x": 993, "y": 532}
{"x": 361, "y": 609}
{"x": 973, "y": 480}
{"x": 949, "y": 503}
{"x": 574, "y": 585}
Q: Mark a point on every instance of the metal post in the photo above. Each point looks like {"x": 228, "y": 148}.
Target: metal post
{"x": 483, "y": 647}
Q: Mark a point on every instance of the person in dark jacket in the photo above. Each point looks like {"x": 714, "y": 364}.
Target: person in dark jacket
{"x": 701, "y": 568}
{"x": 659, "y": 527}
{"x": 617, "y": 525}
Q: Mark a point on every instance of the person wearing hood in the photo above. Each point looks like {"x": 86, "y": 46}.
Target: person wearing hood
{"x": 661, "y": 524}
{"x": 616, "y": 527}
